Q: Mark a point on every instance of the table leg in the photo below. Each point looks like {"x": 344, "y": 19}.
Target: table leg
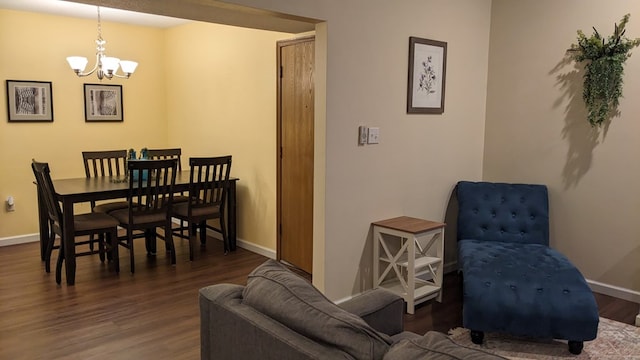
{"x": 231, "y": 216}
{"x": 69, "y": 241}
{"x": 43, "y": 222}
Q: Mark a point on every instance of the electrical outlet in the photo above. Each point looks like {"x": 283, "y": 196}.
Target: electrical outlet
{"x": 362, "y": 135}
{"x": 374, "y": 135}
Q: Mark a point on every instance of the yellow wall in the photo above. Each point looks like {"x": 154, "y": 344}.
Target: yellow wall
{"x": 537, "y": 131}
{"x": 207, "y": 88}
{"x": 221, "y": 99}
{"x": 34, "y": 47}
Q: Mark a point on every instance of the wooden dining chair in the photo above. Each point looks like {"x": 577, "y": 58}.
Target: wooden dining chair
{"x": 150, "y": 197}
{"x": 171, "y": 153}
{"x": 92, "y": 223}
{"x": 106, "y": 163}
{"x": 162, "y": 154}
{"x": 208, "y": 185}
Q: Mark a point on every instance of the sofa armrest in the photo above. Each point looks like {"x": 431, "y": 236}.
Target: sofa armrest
{"x": 380, "y": 308}
{"x": 230, "y": 329}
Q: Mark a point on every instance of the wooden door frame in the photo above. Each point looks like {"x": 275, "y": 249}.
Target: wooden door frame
{"x": 280, "y": 44}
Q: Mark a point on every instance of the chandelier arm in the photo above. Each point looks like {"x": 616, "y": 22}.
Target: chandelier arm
{"x": 95, "y": 67}
{"x": 125, "y": 76}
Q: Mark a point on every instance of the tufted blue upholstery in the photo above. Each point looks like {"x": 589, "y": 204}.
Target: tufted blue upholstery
{"x": 515, "y": 213}
{"x": 513, "y": 282}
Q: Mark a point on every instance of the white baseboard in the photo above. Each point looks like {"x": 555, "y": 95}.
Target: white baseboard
{"x": 261, "y": 250}
{"x": 450, "y": 267}
{"x": 638, "y": 319}
{"x": 615, "y": 291}
{"x": 22, "y": 239}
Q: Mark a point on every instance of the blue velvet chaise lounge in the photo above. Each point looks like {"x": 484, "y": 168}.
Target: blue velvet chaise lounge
{"x": 513, "y": 282}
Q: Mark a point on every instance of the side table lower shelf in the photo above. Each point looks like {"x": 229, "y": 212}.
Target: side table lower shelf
{"x": 411, "y": 261}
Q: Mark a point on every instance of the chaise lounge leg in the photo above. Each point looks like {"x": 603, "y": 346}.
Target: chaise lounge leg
{"x": 477, "y": 337}
{"x": 575, "y": 347}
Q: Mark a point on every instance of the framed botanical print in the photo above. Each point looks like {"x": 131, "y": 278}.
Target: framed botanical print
{"x": 427, "y": 73}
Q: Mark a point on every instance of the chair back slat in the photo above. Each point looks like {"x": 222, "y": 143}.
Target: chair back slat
{"x": 151, "y": 185}
{"x": 45, "y": 186}
{"x": 104, "y": 163}
{"x": 163, "y": 154}
{"x": 208, "y": 181}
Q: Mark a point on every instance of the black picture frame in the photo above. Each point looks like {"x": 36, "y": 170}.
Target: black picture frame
{"x": 29, "y": 101}
{"x": 103, "y": 103}
{"x": 427, "y": 76}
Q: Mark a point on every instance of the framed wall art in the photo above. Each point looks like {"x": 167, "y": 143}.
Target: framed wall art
{"x": 427, "y": 73}
{"x": 102, "y": 103}
{"x": 29, "y": 101}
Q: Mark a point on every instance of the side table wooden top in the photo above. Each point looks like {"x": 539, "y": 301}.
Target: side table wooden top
{"x": 409, "y": 224}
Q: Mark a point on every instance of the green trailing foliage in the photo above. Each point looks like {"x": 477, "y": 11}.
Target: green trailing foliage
{"x": 604, "y": 69}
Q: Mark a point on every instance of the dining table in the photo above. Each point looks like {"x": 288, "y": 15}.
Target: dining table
{"x": 79, "y": 190}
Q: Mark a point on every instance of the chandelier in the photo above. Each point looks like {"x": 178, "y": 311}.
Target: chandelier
{"x": 106, "y": 66}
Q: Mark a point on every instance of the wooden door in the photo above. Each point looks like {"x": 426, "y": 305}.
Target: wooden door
{"x": 295, "y": 152}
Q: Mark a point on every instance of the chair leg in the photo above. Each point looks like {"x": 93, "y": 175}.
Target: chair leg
{"x": 101, "y": 244}
{"x": 130, "y": 244}
{"x": 192, "y": 240}
{"x": 49, "y": 250}
{"x": 113, "y": 240}
{"x": 59, "y": 263}
{"x": 91, "y": 240}
{"x": 477, "y": 337}
{"x": 168, "y": 238}
{"x": 225, "y": 238}
{"x": 150, "y": 237}
{"x": 575, "y": 347}
{"x": 203, "y": 233}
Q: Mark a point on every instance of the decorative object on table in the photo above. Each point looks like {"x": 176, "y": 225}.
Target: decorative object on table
{"x": 29, "y": 101}
{"x": 105, "y": 67}
{"x": 102, "y": 103}
{"x": 143, "y": 156}
{"x": 603, "y": 70}
{"x": 427, "y": 70}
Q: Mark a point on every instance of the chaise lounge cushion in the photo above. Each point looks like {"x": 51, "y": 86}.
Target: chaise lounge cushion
{"x": 291, "y": 300}
{"x": 435, "y": 346}
{"x": 508, "y": 285}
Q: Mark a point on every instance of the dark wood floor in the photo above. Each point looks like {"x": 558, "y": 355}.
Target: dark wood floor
{"x": 153, "y": 314}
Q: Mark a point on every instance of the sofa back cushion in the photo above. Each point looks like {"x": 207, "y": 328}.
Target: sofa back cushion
{"x": 515, "y": 213}
{"x": 291, "y": 300}
{"x": 436, "y": 346}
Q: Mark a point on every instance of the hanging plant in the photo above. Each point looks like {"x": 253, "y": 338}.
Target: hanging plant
{"x": 603, "y": 70}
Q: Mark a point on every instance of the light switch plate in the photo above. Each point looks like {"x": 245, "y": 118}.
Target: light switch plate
{"x": 374, "y": 135}
{"x": 362, "y": 135}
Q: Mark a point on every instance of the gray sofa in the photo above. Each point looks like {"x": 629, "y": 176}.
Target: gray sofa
{"x": 279, "y": 315}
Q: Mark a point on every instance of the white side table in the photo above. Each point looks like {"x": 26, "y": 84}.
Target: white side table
{"x": 411, "y": 261}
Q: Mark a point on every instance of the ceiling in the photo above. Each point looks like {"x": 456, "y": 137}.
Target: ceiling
{"x": 140, "y": 13}
{"x": 72, "y": 9}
